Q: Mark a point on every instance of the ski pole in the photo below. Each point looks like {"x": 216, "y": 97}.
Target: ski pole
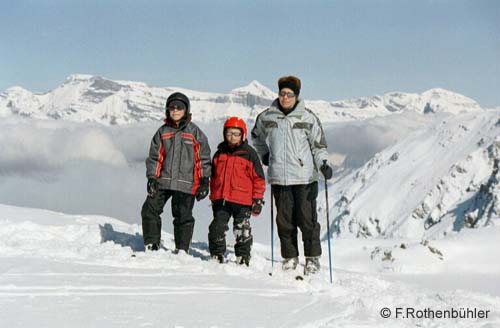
{"x": 328, "y": 227}
{"x": 272, "y": 230}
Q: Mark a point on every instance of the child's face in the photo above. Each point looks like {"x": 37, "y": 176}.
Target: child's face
{"x": 233, "y": 136}
{"x": 176, "y": 114}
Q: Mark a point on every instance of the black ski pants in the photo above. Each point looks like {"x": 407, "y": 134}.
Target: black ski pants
{"x": 296, "y": 208}
{"x": 182, "y": 212}
{"x": 241, "y": 228}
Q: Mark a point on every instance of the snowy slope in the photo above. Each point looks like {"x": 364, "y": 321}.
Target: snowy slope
{"x": 441, "y": 178}
{"x": 87, "y": 98}
{"x": 58, "y": 270}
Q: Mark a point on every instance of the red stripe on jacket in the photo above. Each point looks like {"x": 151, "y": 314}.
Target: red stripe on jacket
{"x": 197, "y": 170}
{"x": 161, "y": 158}
{"x": 167, "y": 135}
{"x": 161, "y": 153}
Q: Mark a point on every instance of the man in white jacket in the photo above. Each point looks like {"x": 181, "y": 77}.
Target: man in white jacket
{"x": 291, "y": 142}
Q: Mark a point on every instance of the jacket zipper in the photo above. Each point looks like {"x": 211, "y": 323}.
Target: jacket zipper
{"x": 173, "y": 157}
{"x": 224, "y": 181}
{"x": 285, "y": 152}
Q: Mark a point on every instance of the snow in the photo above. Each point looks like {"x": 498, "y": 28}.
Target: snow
{"x": 439, "y": 99}
{"x": 60, "y": 270}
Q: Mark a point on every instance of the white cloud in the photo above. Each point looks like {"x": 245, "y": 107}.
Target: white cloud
{"x": 87, "y": 168}
{"x": 31, "y": 147}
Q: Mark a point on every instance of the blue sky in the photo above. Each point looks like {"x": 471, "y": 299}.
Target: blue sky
{"x": 340, "y": 49}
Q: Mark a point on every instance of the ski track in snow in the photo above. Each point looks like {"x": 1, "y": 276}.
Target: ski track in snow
{"x": 59, "y": 270}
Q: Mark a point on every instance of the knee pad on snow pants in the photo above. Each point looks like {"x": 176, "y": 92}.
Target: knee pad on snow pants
{"x": 217, "y": 237}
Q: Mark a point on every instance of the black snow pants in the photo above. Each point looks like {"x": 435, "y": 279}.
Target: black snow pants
{"x": 182, "y": 212}
{"x": 296, "y": 208}
{"x": 241, "y": 228}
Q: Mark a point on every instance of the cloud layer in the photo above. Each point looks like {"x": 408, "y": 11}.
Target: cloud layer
{"x": 95, "y": 169}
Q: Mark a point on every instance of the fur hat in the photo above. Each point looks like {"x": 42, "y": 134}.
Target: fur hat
{"x": 290, "y": 82}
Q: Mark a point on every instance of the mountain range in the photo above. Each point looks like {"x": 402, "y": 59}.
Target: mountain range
{"x": 87, "y": 98}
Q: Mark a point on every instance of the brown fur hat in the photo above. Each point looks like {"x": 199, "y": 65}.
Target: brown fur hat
{"x": 291, "y": 82}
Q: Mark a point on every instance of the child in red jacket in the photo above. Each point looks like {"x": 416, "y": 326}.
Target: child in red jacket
{"x": 236, "y": 189}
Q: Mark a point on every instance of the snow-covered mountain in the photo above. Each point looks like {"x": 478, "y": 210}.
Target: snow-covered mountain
{"x": 86, "y": 98}
{"x": 431, "y": 101}
{"x": 440, "y": 179}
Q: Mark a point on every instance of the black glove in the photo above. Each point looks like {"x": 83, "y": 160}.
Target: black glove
{"x": 326, "y": 170}
{"x": 257, "y": 206}
{"x": 202, "y": 191}
{"x": 152, "y": 187}
{"x": 265, "y": 159}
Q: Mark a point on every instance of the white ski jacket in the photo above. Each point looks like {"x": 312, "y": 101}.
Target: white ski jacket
{"x": 295, "y": 142}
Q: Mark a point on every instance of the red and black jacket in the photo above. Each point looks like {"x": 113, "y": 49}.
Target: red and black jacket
{"x": 179, "y": 157}
{"x": 237, "y": 175}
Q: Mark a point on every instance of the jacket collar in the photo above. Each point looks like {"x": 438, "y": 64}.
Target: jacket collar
{"x": 297, "y": 112}
{"x": 224, "y": 146}
{"x": 182, "y": 124}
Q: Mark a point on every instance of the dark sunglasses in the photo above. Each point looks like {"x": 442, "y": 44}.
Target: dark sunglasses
{"x": 172, "y": 108}
{"x": 236, "y": 134}
{"x": 287, "y": 94}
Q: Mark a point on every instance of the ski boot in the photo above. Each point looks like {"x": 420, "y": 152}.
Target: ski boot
{"x": 312, "y": 266}
{"x": 219, "y": 258}
{"x": 152, "y": 247}
{"x": 290, "y": 263}
{"x": 244, "y": 259}
{"x": 178, "y": 251}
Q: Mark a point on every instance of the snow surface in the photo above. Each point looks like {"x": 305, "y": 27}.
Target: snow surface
{"x": 61, "y": 270}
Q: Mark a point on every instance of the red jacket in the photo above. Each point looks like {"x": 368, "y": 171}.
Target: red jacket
{"x": 237, "y": 175}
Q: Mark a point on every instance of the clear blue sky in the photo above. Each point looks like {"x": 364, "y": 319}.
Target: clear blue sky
{"x": 340, "y": 49}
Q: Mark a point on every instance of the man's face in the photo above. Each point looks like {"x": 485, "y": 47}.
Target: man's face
{"x": 287, "y": 98}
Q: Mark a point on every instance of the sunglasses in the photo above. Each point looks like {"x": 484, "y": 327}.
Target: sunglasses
{"x": 287, "y": 94}
{"x": 173, "y": 108}
{"x": 236, "y": 134}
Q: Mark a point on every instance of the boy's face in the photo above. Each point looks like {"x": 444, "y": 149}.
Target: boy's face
{"x": 233, "y": 136}
{"x": 176, "y": 113}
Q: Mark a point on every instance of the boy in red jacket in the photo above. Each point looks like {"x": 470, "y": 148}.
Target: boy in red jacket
{"x": 236, "y": 189}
